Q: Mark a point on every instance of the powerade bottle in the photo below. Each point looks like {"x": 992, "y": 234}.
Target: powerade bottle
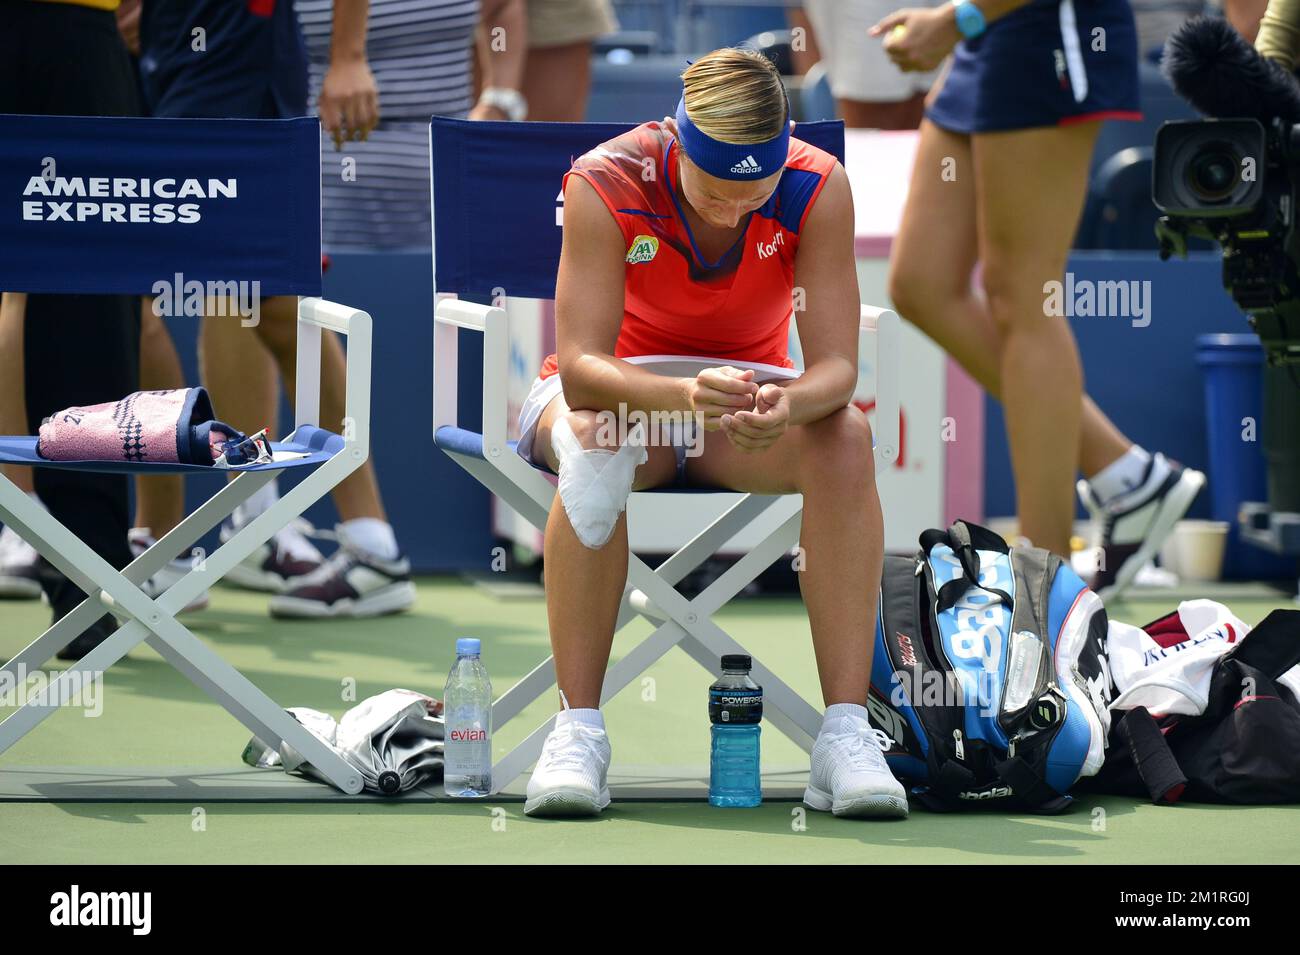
{"x": 467, "y": 715}
{"x": 735, "y": 710}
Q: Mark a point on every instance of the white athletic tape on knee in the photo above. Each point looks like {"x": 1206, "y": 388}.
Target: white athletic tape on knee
{"x": 594, "y": 485}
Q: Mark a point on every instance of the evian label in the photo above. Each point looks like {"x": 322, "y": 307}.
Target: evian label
{"x": 469, "y": 734}
{"x": 467, "y": 748}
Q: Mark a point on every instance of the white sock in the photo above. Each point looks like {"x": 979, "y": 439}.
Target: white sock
{"x": 256, "y": 505}
{"x": 837, "y": 711}
{"x": 371, "y": 536}
{"x": 1120, "y": 476}
{"x": 592, "y": 718}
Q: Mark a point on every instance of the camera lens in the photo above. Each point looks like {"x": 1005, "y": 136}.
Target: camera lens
{"x": 1212, "y": 174}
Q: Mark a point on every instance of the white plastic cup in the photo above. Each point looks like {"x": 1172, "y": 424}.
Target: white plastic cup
{"x": 1198, "y": 548}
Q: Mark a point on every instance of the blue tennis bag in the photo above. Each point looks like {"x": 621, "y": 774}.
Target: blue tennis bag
{"x": 989, "y": 679}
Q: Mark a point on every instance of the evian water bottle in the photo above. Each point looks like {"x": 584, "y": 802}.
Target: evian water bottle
{"x": 467, "y": 712}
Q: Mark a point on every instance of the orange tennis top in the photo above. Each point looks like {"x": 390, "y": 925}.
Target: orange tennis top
{"x": 675, "y": 302}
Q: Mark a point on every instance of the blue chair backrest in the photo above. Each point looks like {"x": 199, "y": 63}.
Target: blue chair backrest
{"x": 117, "y": 205}
{"x": 497, "y": 206}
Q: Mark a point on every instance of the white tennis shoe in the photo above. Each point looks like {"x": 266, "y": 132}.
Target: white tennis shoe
{"x": 277, "y": 565}
{"x": 141, "y": 539}
{"x": 1129, "y": 529}
{"x": 849, "y": 774}
{"x": 20, "y": 576}
{"x": 570, "y": 777}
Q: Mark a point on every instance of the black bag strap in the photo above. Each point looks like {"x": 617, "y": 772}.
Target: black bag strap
{"x": 965, "y": 540}
{"x": 1154, "y": 760}
{"x": 1272, "y": 647}
{"x": 1031, "y": 786}
{"x": 949, "y": 777}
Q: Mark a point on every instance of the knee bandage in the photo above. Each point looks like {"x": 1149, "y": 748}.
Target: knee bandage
{"x": 594, "y": 485}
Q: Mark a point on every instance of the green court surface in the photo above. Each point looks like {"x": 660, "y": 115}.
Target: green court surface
{"x": 151, "y": 717}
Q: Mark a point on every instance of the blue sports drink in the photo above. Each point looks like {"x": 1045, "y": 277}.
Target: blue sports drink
{"x": 467, "y": 716}
{"x": 735, "y": 710}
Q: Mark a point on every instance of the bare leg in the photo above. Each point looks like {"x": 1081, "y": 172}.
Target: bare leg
{"x": 358, "y": 495}
{"x": 1030, "y": 186}
{"x": 804, "y": 54}
{"x": 584, "y": 586}
{"x": 903, "y": 114}
{"x": 930, "y": 271}
{"x": 159, "y": 500}
{"x": 13, "y": 397}
{"x": 830, "y": 462}
{"x": 238, "y": 371}
{"x": 557, "y": 81}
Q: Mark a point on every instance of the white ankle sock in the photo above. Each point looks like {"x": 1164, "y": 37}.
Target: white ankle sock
{"x": 584, "y": 716}
{"x": 1120, "y": 476}
{"x": 256, "y": 505}
{"x": 372, "y": 536}
{"x": 838, "y": 710}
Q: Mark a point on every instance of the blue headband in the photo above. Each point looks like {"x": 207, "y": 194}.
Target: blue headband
{"x": 729, "y": 160}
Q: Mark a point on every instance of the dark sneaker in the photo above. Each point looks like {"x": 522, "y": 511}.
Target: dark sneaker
{"x": 351, "y": 583}
{"x": 64, "y": 598}
{"x": 284, "y": 558}
{"x": 19, "y": 567}
{"x": 99, "y": 631}
{"x": 1128, "y": 530}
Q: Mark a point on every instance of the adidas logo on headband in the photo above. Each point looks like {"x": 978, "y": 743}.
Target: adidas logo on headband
{"x": 731, "y": 160}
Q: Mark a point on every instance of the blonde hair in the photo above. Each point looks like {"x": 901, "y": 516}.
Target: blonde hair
{"x": 735, "y": 96}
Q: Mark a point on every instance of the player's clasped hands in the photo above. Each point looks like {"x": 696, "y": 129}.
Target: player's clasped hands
{"x": 752, "y": 416}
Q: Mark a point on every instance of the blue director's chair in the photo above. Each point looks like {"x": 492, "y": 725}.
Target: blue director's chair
{"x": 93, "y": 221}
{"x": 497, "y": 227}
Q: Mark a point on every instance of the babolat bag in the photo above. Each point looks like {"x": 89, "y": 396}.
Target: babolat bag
{"x": 989, "y": 678}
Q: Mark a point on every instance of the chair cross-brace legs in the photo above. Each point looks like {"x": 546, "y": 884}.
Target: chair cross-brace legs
{"x": 155, "y": 620}
{"x": 707, "y": 642}
{"x": 682, "y": 622}
{"x": 694, "y": 553}
{"x": 181, "y": 537}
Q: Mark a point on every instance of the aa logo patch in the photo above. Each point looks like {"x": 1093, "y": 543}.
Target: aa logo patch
{"x": 643, "y": 249}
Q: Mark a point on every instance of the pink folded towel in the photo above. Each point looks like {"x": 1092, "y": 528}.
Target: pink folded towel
{"x": 156, "y": 426}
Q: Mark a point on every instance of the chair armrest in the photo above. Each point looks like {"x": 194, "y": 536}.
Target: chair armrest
{"x": 315, "y": 314}
{"x": 887, "y": 328}
{"x": 450, "y": 315}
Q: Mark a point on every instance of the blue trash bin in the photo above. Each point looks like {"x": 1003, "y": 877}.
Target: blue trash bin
{"x": 1234, "y": 392}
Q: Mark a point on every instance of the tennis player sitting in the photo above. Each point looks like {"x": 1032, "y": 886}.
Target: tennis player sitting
{"x": 693, "y": 236}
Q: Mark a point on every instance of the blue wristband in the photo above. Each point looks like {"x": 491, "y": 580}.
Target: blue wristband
{"x": 970, "y": 18}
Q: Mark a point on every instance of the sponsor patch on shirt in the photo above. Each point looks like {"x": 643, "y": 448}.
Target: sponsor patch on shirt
{"x": 643, "y": 249}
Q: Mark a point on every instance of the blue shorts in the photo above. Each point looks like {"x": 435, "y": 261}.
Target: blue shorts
{"x": 1045, "y": 64}
{"x": 251, "y": 62}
